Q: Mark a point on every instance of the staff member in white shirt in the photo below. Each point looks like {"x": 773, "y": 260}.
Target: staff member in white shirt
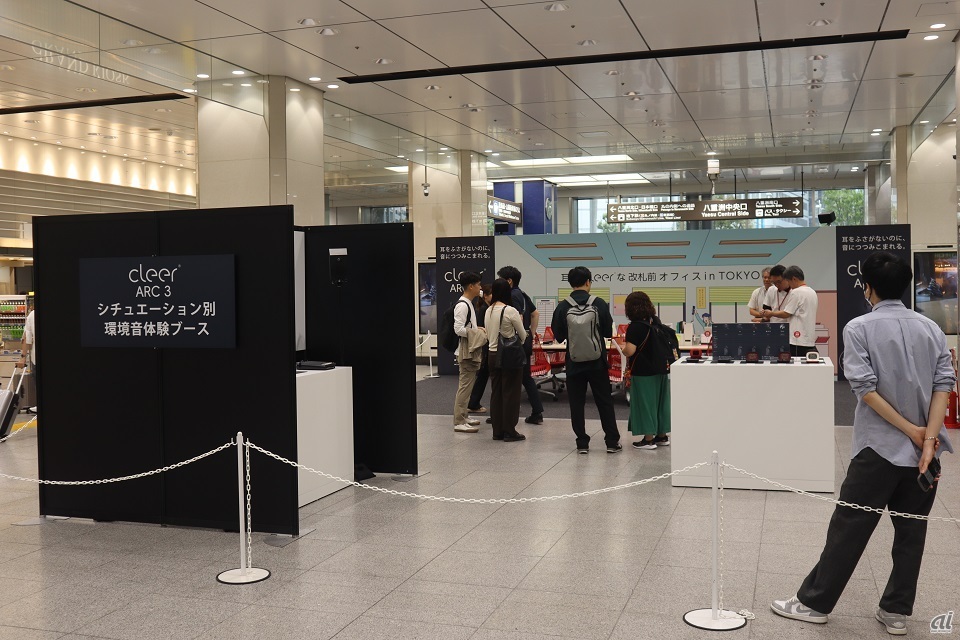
{"x": 755, "y": 306}
{"x": 800, "y": 309}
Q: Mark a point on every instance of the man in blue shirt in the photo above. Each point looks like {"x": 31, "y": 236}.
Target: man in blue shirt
{"x": 899, "y": 368}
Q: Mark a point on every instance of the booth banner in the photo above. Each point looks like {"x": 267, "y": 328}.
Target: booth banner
{"x": 169, "y": 301}
{"x": 454, "y": 257}
{"x": 854, "y": 245}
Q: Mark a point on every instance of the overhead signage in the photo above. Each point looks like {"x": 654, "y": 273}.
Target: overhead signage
{"x": 504, "y": 210}
{"x": 625, "y": 212}
{"x": 168, "y": 301}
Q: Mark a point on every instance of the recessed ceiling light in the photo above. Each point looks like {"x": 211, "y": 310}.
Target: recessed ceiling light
{"x": 711, "y": 153}
{"x": 874, "y": 134}
{"x": 154, "y": 50}
{"x": 419, "y": 150}
{"x": 308, "y": 22}
{"x": 86, "y": 90}
{"x": 401, "y": 156}
{"x": 631, "y": 93}
{"x": 132, "y": 42}
{"x": 538, "y": 144}
{"x": 877, "y": 130}
{"x": 58, "y": 142}
{"x": 931, "y": 37}
{"x": 333, "y": 86}
{"x": 32, "y": 121}
{"x": 384, "y": 61}
{"x": 444, "y": 149}
{"x": 6, "y": 67}
{"x": 611, "y": 72}
{"x": 263, "y": 81}
{"x": 468, "y": 105}
{"x": 494, "y": 153}
{"x": 237, "y": 72}
{"x": 33, "y": 137}
{"x": 816, "y": 57}
{"x": 203, "y": 76}
{"x": 556, "y": 6}
{"x": 587, "y": 43}
{"x": 189, "y": 90}
{"x": 432, "y": 87}
{"x": 245, "y": 84}
{"x": 294, "y": 89}
{"x": 227, "y": 84}
{"x": 924, "y": 122}
{"x": 938, "y": 25}
{"x": 476, "y": 110}
{"x": 314, "y": 78}
{"x": 819, "y": 23}
{"x": 488, "y": 150}
{"x": 814, "y": 85}
{"x": 109, "y": 137}
{"x": 163, "y": 110}
{"x": 328, "y": 31}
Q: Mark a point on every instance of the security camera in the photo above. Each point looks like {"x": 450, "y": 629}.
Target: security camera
{"x": 426, "y": 188}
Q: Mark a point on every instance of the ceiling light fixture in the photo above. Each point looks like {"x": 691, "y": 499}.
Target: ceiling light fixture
{"x": 189, "y": 90}
{"x": 877, "y": 130}
{"x": 444, "y": 149}
{"x": 203, "y": 76}
{"x": 245, "y": 84}
{"x": 32, "y": 121}
{"x": 921, "y": 122}
{"x": 820, "y": 23}
{"x": 488, "y": 150}
{"x": 419, "y": 150}
{"x": 227, "y": 84}
{"x": 294, "y": 89}
{"x": 131, "y": 42}
{"x": 938, "y": 25}
{"x": 314, "y": 78}
{"x": 154, "y": 50}
{"x": 263, "y": 81}
{"x": 7, "y": 67}
{"x": 328, "y": 31}
{"x": 475, "y": 110}
{"x": 711, "y": 153}
{"x": 556, "y": 6}
{"x": 237, "y": 72}
{"x": 432, "y": 87}
{"x": 308, "y": 22}
{"x": 333, "y": 86}
{"x": 931, "y": 37}
{"x": 611, "y": 72}
{"x": 874, "y": 134}
{"x": 817, "y": 57}
{"x": 86, "y": 90}
{"x": 384, "y": 61}
{"x": 587, "y": 43}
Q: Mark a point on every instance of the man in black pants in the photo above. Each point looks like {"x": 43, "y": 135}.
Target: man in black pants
{"x": 582, "y": 372}
{"x": 531, "y": 318}
{"x": 899, "y": 368}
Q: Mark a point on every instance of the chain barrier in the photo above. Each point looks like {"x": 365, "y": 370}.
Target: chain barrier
{"x": 842, "y": 503}
{"x": 22, "y": 427}
{"x": 742, "y": 613}
{"x": 407, "y": 494}
{"x": 135, "y": 476}
{"x": 246, "y": 446}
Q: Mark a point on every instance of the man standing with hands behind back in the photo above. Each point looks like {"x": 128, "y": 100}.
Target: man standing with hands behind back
{"x": 899, "y": 368}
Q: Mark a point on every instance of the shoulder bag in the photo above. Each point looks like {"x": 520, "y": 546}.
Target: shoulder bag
{"x": 510, "y": 353}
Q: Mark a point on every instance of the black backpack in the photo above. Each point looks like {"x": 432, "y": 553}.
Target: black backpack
{"x": 446, "y": 336}
{"x": 669, "y": 344}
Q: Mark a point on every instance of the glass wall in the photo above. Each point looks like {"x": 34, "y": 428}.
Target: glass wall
{"x": 590, "y": 213}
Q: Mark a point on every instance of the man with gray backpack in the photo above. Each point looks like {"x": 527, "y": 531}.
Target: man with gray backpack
{"x": 584, "y": 321}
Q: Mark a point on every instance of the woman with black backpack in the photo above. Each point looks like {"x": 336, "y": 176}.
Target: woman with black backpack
{"x": 649, "y": 365}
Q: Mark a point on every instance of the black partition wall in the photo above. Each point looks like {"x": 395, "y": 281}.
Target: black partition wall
{"x": 361, "y": 313}
{"x": 111, "y": 411}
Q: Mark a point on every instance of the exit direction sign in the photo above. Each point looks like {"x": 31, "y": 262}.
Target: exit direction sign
{"x": 625, "y": 212}
{"x": 504, "y": 210}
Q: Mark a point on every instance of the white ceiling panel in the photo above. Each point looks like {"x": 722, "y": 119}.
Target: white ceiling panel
{"x": 745, "y": 103}
{"x": 454, "y": 92}
{"x": 913, "y": 55}
{"x": 883, "y": 119}
{"x": 604, "y": 22}
{"x": 799, "y": 99}
{"x": 495, "y": 119}
{"x": 381, "y": 9}
{"x": 917, "y": 15}
{"x": 276, "y": 16}
{"x": 430, "y": 122}
{"x": 799, "y": 124}
{"x": 671, "y": 133}
{"x": 710, "y": 73}
{"x": 642, "y": 77}
{"x": 585, "y": 137}
{"x": 781, "y": 20}
{"x": 463, "y": 37}
{"x": 838, "y": 63}
{"x": 371, "y": 99}
{"x": 178, "y": 20}
{"x": 649, "y": 108}
{"x": 265, "y": 55}
{"x": 902, "y": 93}
{"x": 726, "y": 127}
{"x": 571, "y": 113}
{"x": 693, "y": 23}
{"x": 358, "y": 46}
{"x": 529, "y": 85}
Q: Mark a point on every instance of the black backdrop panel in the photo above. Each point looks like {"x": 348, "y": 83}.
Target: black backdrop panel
{"x": 117, "y": 411}
{"x": 369, "y": 323}
{"x": 210, "y": 394}
{"x": 101, "y": 407}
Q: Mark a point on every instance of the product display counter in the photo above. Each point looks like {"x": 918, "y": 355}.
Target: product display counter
{"x": 324, "y": 430}
{"x": 774, "y": 420}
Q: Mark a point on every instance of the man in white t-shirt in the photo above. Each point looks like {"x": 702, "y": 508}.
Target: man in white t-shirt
{"x": 755, "y": 306}
{"x": 776, "y": 296}
{"x": 800, "y": 309}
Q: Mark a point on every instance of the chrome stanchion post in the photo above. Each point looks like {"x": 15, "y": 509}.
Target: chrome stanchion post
{"x": 713, "y": 619}
{"x": 245, "y": 574}
{"x": 429, "y": 356}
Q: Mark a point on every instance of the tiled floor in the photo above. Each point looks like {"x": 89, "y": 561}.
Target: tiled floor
{"x": 625, "y": 564}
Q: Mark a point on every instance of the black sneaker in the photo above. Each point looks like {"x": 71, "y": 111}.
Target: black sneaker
{"x": 489, "y": 420}
{"x": 498, "y": 437}
{"x": 662, "y": 441}
{"x": 614, "y": 448}
{"x": 645, "y": 444}
{"x": 536, "y": 418}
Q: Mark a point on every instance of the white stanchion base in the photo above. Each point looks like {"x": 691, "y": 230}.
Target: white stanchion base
{"x": 432, "y": 375}
{"x": 703, "y": 619}
{"x": 237, "y": 576}
{"x": 33, "y": 522}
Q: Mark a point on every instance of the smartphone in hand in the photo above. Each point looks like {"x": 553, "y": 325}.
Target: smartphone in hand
{"x": 927, "y": 479}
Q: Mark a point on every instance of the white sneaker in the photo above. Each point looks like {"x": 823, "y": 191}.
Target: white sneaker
{"x": 466, "y": 428}
{"x": 472, "y": 422}
{"x": 796, "y": 610}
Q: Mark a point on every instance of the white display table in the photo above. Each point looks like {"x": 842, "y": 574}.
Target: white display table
{"x": 324, "y": 430}
{"x": 775, "y": 420}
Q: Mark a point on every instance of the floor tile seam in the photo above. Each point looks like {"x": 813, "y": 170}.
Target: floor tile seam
{"x": 211, "y": 628}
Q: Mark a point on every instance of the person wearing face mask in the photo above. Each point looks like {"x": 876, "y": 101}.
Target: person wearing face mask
{"x": 899, "y": 367}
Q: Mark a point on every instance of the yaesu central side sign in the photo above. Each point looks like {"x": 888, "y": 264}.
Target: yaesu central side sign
{"x": 624, "y": 212}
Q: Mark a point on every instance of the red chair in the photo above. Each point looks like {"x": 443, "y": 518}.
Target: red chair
{"x": 617, "y": 368}
{"x": 548, "y": 335}
{"x": 622, "y": 329}
{"x": 540, "y": 368}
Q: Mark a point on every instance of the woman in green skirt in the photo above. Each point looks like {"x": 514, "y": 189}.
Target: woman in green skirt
{"x": 649, "y": 385}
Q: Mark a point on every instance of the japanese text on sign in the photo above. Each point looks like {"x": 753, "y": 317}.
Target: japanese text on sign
{"x": 625, "y": 212}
